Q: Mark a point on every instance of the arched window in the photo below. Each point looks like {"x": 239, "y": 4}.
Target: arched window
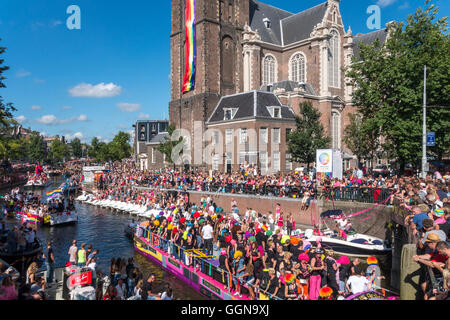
{"x": 269, "y": 69}
{"x": 336, "y": 130}
{"x": 298, "y": 68}
{"x": 333, "y": 59}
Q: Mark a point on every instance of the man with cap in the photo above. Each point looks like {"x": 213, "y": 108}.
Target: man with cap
{"x": 429, "y": 227}
{"x": 431, "y": 255}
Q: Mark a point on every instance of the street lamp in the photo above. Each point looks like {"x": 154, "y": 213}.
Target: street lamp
{"x": 424, "y": 126}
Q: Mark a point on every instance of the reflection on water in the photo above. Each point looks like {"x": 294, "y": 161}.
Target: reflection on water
{"x": 104, "y": 229}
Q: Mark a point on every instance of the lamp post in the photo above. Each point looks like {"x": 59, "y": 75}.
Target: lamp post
{"x": 424, "y": 126}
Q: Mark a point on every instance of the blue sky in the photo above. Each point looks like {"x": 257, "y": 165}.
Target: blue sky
{"x": 99, "y": 80}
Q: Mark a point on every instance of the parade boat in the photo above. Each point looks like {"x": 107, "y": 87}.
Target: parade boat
{"x": 200, "y": 272}
{"x": 350, "y": 243}
{"x": 37, "y": 183}
{"x": 30, "y": 218}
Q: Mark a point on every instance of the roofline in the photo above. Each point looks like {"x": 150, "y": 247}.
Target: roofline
{"x": 305, "y": 10}
{"x": 272, "y": 6}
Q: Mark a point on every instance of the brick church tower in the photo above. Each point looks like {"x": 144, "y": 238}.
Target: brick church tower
{"x": 219, "y": 26}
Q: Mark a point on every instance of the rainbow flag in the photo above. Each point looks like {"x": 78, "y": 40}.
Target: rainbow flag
{"x": 189, "y": 73}
{"x": 51, "y": 193}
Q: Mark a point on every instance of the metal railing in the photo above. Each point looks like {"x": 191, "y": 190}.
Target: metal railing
{"x": 356, "y": 194}
{"x": 199, "y": 263}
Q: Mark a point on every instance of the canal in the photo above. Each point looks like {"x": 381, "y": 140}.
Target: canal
{"x": 104, "y": 229}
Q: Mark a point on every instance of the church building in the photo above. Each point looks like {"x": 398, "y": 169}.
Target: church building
{"x": 236, "y": 48}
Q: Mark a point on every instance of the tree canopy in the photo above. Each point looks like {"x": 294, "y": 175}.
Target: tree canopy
{"x": 389, "y": 80}
{"x": 308, "y": 136}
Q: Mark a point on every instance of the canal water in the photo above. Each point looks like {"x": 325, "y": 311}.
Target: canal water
{"x": 104, "y": 229}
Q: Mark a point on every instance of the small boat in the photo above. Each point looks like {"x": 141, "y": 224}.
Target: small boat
{"x": 354, "y": 244}
{"x": 13, "y": 257}
{"x": 63, "y": 218}
{"x": 82, "y": 197}
{"x": 38, "y": 183}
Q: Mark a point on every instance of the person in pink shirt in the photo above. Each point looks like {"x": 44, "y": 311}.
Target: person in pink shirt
{"x": 8, "y": 290}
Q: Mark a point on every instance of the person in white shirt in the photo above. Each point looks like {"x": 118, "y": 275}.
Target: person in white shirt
{"x": 121, "y": 289}
{"x": 357, "y": 283}
{"x": 207, "y": 235}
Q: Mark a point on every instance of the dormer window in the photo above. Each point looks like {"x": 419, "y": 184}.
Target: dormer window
{"x": 275, "y": 112}
{"x": 267, "y": 23}
{"x": 229, "y": 113}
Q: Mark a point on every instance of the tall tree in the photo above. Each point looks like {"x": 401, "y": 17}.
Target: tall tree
{"x": 308, "y": 136}
{"x": 6, "y": 112}
{"x": 36, "y": 148}
{"x": 77, "y": 149}
{"x": 119, "y": 147}
{"x": 58, "y": 151}
{"x": 362, "y": 137}
{"x": 389, "y": 81}
{"x": 93, "y": 148}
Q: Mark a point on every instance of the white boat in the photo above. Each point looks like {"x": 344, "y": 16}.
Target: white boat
{"x": 37, "y": 183}
{"x": 355, "y": 244}
{"x": 82, "y": 197}
{"x": 63, "y": 218}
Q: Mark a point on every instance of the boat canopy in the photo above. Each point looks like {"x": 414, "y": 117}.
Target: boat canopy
{"x": 330, "y": 213}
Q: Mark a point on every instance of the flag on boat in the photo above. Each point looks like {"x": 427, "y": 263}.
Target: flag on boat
{"x": 52, "y": 193}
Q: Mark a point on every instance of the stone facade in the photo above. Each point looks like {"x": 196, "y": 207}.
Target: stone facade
{"x": 233, "y": 40}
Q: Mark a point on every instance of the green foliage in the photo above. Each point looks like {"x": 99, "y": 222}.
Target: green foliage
{"x": 168, "y": 145}
{"x": 77, "y": 149}
{"x": 36, "y": 148}
{"x": 308, "y": 136}
{"x": 362, "y": 137}
{"x": 58, "y": 151}
{"x": 389, "y": 83}
{"x": 116, "y": 150}
{"x": 120, "y": 147}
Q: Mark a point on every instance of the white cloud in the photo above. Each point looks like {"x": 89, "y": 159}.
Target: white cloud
{"x": 56, "y": 23}
{"x": 21, "y": 119}
{"x": 385, "y": 3}
{"x": 23, "y": 73}
{"x": 52, "y": 120}
{"x": 122, "y": 126}
{"x": 36, "y": 107}
{"x": 37, "y": 80}
{"x": 129, "y": 107}
{"x": 67, "y": 107}
{"x": 100, "y": 90}
{"x": 404, "y": 6}
{"x": 78, "y": 135}
{"x": 143, "y": 116}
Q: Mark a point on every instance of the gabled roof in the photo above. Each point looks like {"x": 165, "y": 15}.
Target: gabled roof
{"x": 299, "y": 26}
{"x": 286, "y": 27}
{"x": 252, "y": 104}
{"x": 258, "y": 12}
{"x": 289, "y": 86}
{"x": 368, "y": 38}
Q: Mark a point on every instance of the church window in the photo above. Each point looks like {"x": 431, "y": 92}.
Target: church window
{"x": 298, "y": 68}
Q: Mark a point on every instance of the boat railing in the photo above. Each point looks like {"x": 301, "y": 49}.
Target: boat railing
{"x": 194, "y": 258}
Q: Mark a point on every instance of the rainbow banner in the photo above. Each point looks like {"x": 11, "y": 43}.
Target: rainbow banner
{"x": 191, "y": 57}
{"x": 52, "y": 193}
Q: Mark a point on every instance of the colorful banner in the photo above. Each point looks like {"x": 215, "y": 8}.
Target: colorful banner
{"x": 191, "y": 57}
{"x": 324, "y": 160}
{"x": 51, "y": 193}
